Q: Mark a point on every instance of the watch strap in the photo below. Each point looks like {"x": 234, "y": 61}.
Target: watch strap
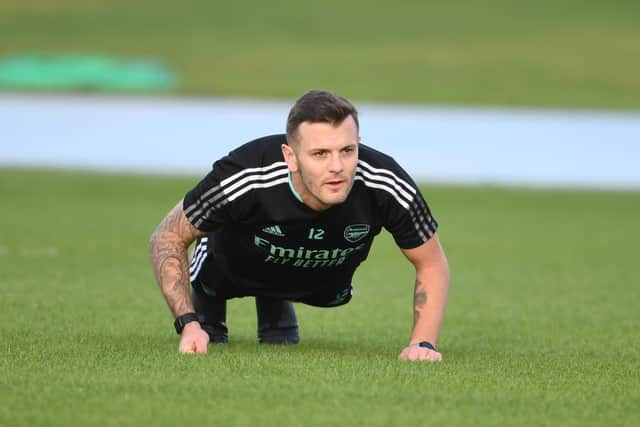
{"x": 427, "y": 344}
{"x": 182, "y": 320}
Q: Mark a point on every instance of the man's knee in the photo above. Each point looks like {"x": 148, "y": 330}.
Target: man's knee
{"x": 212, "y": 315}
{"x": 277, "y": 322}
{"x": 217, "y": 331}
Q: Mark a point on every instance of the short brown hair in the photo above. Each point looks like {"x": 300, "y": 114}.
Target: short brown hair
{"x": 320, "y": 106}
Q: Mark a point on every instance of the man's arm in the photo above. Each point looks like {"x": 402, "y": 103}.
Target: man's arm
{"x": 430, "y": 298}
{"x": 168, "y": 250}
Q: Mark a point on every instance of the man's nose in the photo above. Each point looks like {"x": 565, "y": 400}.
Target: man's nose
{"x": 335, "y": 163}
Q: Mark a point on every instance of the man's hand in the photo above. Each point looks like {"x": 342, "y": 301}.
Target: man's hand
{"x": 415, "y": 352}
{"x": 193, "y": 339}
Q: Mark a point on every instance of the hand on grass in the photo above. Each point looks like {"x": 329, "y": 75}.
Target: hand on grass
{"x": 415, "y": 352}
{"x": 194, "y": 339}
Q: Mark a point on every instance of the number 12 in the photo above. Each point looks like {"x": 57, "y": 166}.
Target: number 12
{"x": 316, "y": 234}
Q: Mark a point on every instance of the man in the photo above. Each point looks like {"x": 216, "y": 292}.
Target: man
{"x": 289, "y": 218}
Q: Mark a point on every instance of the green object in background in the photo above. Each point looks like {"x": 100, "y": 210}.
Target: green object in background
{"x": 84, "y": 72}
{"x": 540, "y": 53}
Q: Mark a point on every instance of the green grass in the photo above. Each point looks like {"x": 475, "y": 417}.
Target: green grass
{"x": 542, "y": 325}
{"x": 539, "y": 53}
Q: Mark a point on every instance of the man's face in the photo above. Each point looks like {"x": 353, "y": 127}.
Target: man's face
{"x": 323, "y": 159}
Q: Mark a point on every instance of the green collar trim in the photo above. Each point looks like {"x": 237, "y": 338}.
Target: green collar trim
{"x": 293, "y": 190}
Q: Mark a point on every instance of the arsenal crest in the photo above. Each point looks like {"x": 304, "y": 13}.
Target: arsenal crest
{"x": 356, "y": 232}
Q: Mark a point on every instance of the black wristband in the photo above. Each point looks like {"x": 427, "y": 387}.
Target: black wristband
{"x": 181, "y": 321}
{"x": 426, "y": 344}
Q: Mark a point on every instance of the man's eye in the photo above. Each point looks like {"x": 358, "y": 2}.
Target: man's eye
{"x": 319, "y": 154}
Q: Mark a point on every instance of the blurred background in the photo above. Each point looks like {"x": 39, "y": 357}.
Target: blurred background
{"x": 527, "y": 93}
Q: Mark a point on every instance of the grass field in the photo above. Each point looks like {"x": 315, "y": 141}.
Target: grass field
{"x": 541, "y": 53}
{"x": 542, "y": 326}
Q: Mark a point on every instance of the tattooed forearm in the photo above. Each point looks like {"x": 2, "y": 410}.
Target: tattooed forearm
{"x": 419, "y": 300}
{"x": 168, "y": 251}
{"x": 170, "y": 261}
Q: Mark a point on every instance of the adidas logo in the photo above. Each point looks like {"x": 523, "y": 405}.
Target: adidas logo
{"x": 274, "y": 230}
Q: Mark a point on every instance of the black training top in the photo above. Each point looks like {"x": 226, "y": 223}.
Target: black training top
{"x": 261, "y": 235}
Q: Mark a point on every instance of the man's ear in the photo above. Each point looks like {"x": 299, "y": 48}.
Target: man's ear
{"x": 289, "y": 157}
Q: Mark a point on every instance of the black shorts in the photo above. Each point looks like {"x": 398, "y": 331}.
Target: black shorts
{"x": 207, "y": 277}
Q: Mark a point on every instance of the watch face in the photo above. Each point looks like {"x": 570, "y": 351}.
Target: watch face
{"x": 427, "y": 344}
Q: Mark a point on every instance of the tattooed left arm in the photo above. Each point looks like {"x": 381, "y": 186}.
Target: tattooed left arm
{"x": 430, "y": 297}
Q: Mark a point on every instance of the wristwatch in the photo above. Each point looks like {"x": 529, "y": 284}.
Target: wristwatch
{"x": 427, "y": 344}
{"x": 181, "y": 321}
